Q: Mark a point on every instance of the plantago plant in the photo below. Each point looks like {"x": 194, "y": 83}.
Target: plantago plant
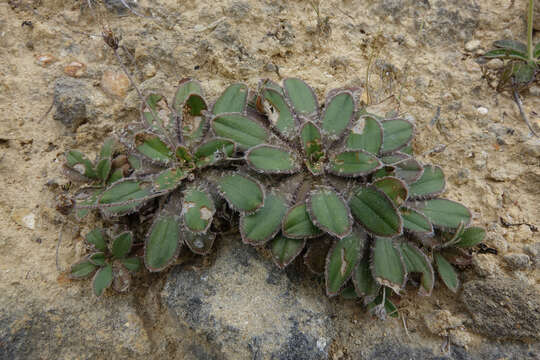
{"x": 333, "y": 182}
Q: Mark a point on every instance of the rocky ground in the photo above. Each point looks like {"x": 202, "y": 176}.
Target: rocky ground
{"x": 62, "y": 88}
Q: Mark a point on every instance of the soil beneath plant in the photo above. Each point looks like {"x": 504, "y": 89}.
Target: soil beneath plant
{"x": 409, "y": 56}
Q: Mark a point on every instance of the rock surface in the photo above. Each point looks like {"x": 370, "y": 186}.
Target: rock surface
{"x": 503, "y": 308}
{"x": 70, "y": 102}
{"x": 246, "y": 308}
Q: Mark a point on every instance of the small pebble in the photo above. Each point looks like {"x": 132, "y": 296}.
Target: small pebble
{"x": 409, "y": 100}
{"x": 472, "y": 45}
{"x": 115, "y": 83}
{"x": 534, "y": 90}
{"x": 482, "y": 110}
{"x": 517, "y": 261}
{"x": 24, "y": 217}
{"x": 45, "y": 59}
{"x": 149, "y": 71}
{"x": 75, "y": 69}
{"x": 495, "y": 64}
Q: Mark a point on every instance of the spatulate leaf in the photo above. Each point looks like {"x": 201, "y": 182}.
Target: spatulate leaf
{"x": 341, "y": 261}
{"x": 329, "y": 212}
{"x": 82, "y": 269}
{"x": 415, "y": 222}
{"x": 301, "y": 96}
{"x": 338, "y": 114}
{"x": 417, "y": 262}
{"x": 197, "y": 210}
{"x": 364, "y": 283}
{"x": 430, "y": 184}
{"x": 244, "y": 131}
{"x": 375, "y": 212}
{"x": 278, "y": 112}
{"x": 444, "y": 213}
{"x": 397, "y": 134}
{"x": 121, "y": 245}
{"x": 394, "y": 188}
{"x": 162, "y": 244}
{"x": 258, "y": 228}
{"x": 285, "y": 250}
{"x": 471, "y": 236}
{"x": 298, "y": 225}
{"x": 213, "y": 151}
{"x": 102, "y": 280}
{"x": 271, "y": 159}
{"x": 447, "y": 272}
{"x": 353, "y": 163}
{"x": 233, "y": 99}
{"x": 242, "y": 193}
{"x": 366, "y": 134}
{"x": 387, "y": 264}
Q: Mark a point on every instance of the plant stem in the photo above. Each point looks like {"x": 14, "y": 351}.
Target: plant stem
{"x": 530, "y": 30}
{"x": 522, "y": 112}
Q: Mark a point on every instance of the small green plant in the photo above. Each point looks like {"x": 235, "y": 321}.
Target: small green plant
{"x": 522, "y": 63}
{"x": 109, "y": 262}
{"x": 332, "y": 181}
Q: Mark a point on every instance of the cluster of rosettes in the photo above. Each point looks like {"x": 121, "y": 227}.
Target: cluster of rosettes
{"x": 333, "y": 180}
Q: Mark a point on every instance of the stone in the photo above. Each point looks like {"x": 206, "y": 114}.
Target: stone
{"x": 507, "y": 172}
{"x": 503, "y": 308}
{"x": 498, "y": 242}
{"x": 409, "y": 100}
{"x": 518, "y": 261}
{"x": 439, "y": 322}
{"x": 472, "y": 45}
{"x": 115, "y": 83}
{"x": 534, "y": 90}
{"x": 70, "y": 101}
{"x": 24, "y": 217}
{"x": 75, "y": 69}
{"x": 495, "y": 64}
{"x": 534, "y": 252}
{"x": 485, "y": 265}
{"x": 246, "y": 308}
{"x": 531, "y": 147}
{"x": 482, "y": 110}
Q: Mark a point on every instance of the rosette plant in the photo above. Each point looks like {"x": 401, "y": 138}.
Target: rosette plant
{"x": 332, "y": 181}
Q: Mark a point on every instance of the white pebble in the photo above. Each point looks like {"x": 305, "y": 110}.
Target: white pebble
{"x": 482, "y": 110}
{"x": 472, "y": 45}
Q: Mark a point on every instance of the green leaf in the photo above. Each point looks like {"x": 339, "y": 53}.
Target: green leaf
{"x": 162, "y": 244}
{"x": 394, "y": 188}
{"x": 278, "y": 112}
{"x": 338, "y": 114}
{"x": 233, "y": 99}
{"x": 82, "y": 269}
{"x": 387, "y": 265}
{"x": 285, "y": 250}
{"x": 315, "y": 256}
{"x": 258, "y": 228}
{"x": 197, "y": 210}
{"x": 329, "y": 212}
{"x": 271, "y": 159}
{"x": 184, "y": 156}
{"x": 354, "y": 163}
{"x": 445, "y": 213}
{"x": 124, "y": 196}
{"x": 397, "y": 134}
{"x": 536, "y": 51}
{"x": 102, "y": 280}
{"x": 185, "y": 96}
{"x": 471, "y": 236}
{"x": 244, "y": 131}
{"x": 194, "y": 123}
{"x": 297, "y": 224}
{"x": 199, "y": 243}
{"x": 135, "y": 162}
{"x": 115, "y": 176}
{"x": 430, "y": 184}
{"x": 153, "y": 147}
{"x": 243, "y": 194}
{"x": 505, "y": 53}
{"x": 341, "y": 261}
{"x": 301, "y": 96}
{"x": 213, "y": 151}
{"x": 169, "y": 179}
{"x": 366, "y": 134}
{"x": 416, "y": 261}
{"x": 408, "y": 170}
{"x": 107, "y": 149}
{"x": 97, "y": 259}
{"x": 364, "y": 283}
{"x": 121, "y": 245}
{"x": 348, "y": 293}
{"x": 523, "y": 73}
{"x": 311, "y": 139}
{"x": 132, "y": 264}
{"x": 447, "y": 272}
{"x": 103, "y": 168}
{"x": 97, "y": 238}
{"x": 77, "y": 161}
{"x": 375, "y": 212}
{"x": 511, "y": 44}
{"x": 415, "y": 221}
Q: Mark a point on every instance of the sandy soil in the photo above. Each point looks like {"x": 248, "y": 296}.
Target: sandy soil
{"x": 415, "y": 56}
